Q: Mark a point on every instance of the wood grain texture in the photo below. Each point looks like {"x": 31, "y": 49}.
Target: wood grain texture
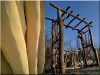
{"x": 32, "y": 10}
{"x": 13, "y": 43}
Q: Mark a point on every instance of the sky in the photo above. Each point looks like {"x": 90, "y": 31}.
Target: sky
{"x": 86, "y": 9}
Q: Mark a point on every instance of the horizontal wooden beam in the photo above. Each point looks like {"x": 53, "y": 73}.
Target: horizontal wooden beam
{"x": 67, "y": 26}
{"x": 67, "y": 16}
{"x": 50, "y": 19}
{"x": 66, "y": 10}
{"x": 61, "y": 15}
{"x": 78, "y": 24}
{"x": 84, "y": 27}
{"x": 87, "y": 25}
{"x": 55, "y": 6}
{"x": 85, "y": 31}
{"x": 73, "y": 19}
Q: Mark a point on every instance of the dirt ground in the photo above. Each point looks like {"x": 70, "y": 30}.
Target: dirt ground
{"x": 88, "y": 71}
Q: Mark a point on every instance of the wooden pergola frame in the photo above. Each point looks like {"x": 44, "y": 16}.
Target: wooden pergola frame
{"x": 58, "y": 38}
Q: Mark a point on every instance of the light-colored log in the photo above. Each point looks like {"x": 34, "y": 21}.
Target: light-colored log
{"x": 0, "y": 25}
{"x": 0, "y": 36}
{"x": 5, "y": 66}
{"x": 20, "y": 6}
{"x": 41, "y": 45}
{"x": 32, "y": 10}
{"x": 13, "y": 43}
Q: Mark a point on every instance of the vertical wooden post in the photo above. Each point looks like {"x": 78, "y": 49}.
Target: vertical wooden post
{"x": 84, "y": 52}
{"x": 53, "y": 49}
{"x": 94, "y": 50}
{"x": 74, "y": 60}
{"x": 61, "y": 43}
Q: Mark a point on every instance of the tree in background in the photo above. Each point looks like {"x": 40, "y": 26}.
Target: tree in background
{"x": 48, "y": 50}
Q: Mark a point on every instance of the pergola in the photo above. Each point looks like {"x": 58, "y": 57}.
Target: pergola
{"x": 58, "y": 25}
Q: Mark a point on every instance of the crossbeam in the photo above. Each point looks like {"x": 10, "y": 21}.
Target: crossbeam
{"x": 85, "y": 31}
{"x": 50, "y": 19}
{"x": 78, "y": 23}
{"x": 87, "y": 26}
{"x": 67, "y": 16}
{"x": 73, "y": 19}
{"x": 55, "y": 6}
{"x": 66, "y": 10}
{"x": 67, "y": 26}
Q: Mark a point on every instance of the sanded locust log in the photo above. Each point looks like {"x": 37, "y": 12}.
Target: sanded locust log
{"x": 41, "y": 45}
{"x": 13, "y": 42}
{"x": 32, "y": 11}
